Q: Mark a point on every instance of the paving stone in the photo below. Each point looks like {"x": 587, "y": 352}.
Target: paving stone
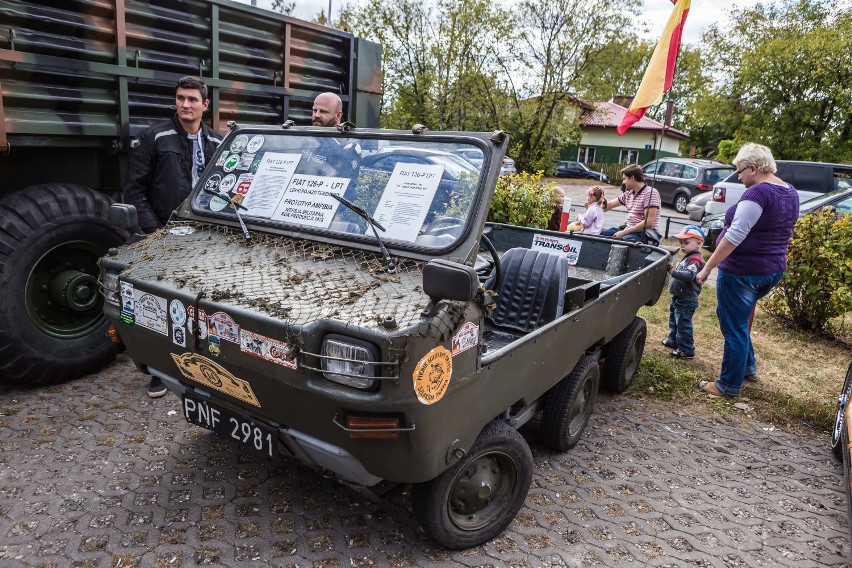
{"x": 94, "y": 473}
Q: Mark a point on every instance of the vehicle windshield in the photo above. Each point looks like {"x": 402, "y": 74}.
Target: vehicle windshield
{"x": 419, "y": 193}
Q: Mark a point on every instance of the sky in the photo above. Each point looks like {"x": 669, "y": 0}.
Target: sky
{"x": 702, "y": 13}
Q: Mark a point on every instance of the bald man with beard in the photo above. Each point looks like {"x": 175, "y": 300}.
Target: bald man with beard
{"x": 327, "y": 110}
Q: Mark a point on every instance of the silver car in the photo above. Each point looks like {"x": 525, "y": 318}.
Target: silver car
{"x": 695, "y": 207}
{"x": 508, "y": 166}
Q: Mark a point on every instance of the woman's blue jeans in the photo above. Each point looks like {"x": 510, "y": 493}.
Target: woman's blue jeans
{"x": 737, "y": 296}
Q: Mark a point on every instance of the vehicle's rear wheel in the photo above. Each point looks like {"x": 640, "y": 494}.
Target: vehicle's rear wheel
{"x": 569, "y": 405}
{"x": 680, "y": 202}
{"x": 52, "y": 326}
{"x": 475, "y": 500}
{"x": 623, "y": 356}
{"x": 837, "y": 440}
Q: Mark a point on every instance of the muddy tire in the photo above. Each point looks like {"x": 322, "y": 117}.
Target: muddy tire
{"x": 623, "y": 356}
{"x": 569, "y": 406}
{"x": 475, "y": 500}
{"x": 52, "y": 326}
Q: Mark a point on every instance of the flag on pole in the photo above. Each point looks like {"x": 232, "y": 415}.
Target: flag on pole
{"x": 660, "y": 72}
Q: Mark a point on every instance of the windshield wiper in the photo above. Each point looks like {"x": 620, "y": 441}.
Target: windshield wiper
{"x": 373, "y": 224}
{"x": 237, "y": 207}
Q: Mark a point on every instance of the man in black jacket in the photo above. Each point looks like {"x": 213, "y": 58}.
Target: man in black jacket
{"x": 165, "y": 163}
{"x": 168, "y": 157}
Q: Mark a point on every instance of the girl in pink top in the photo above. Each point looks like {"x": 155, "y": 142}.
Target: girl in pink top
{"x": 590, "y": 222}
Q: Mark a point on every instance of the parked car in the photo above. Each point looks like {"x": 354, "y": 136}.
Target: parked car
{"x": 679, "y": 179}
{"x": 569, "y": 169}
{"x": 840, "y": 437}
{"x": 809, "y": 178}
{"x": 507, "y": 166}
{"x": 839, "y": 199}
{"x": 305, "y": 306}
{"x": 695, "y": 207}
{"x": 472, "y": 155}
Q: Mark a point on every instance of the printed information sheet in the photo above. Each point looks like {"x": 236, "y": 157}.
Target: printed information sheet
{"x": 308, "y": 200}
{"x": 270, "y": 183}
{"x": 406, "y": 200}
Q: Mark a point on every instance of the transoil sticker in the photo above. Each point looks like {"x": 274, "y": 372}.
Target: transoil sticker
{"x": 267, "y": 348}
{"x": 150, "y": 312}
{"x": 432, "y": 375}
{"x": 556, "y": 245}
{"x": 467, "y": 337}
{"x": 210, "y": 374}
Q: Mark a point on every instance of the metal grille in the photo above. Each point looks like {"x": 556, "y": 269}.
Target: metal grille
{"x": 294, "y": 280}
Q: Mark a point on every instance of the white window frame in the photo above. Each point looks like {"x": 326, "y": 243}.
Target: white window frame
{"x": 632, "y": 156}
{"x": 586, "y": 154}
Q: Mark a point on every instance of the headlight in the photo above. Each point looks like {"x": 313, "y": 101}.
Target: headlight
{"x": 109, "y": 287}
{"x": 716, "y": 224}
{"x": 346, "y": 361}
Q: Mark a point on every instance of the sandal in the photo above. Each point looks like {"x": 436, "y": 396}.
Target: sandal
{"x": 710, "y": 388}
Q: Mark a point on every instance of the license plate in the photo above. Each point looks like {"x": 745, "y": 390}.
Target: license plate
{"x": 252, "y": 435}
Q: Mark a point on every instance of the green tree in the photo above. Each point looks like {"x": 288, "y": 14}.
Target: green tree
{"x": 556, "y": 43}
{"x": 283, "y": 7}
{"x": 783, "y": 79}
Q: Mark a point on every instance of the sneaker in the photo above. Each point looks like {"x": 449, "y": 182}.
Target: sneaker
{"x": 681, "y": 354}
{"x": 669, "y": 344}
{"x": 750, "y": 378}
{"x": 156, "y": 389}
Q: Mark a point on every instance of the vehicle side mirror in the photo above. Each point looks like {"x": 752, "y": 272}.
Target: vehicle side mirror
{"x": 124, "y": 216}
{"x": 445, "y": 280}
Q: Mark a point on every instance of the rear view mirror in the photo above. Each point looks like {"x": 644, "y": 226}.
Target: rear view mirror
{"x": 445, "y": 280}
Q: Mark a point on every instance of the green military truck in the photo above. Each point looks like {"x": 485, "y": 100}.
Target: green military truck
{"x": 78, "y": 80}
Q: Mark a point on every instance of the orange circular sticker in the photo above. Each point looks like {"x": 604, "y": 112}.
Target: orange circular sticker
{"x": 432, "y": 375}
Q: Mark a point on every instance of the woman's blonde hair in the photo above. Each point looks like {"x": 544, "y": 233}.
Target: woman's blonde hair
{"x": 756, "y": 155}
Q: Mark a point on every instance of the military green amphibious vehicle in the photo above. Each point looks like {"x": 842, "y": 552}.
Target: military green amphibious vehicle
{"x": 335, "y": 295}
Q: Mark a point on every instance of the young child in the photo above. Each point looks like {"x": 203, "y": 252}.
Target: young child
{"x": 590, "y": 222}
{"x": 557, "y": 197}
{"x": 685, "y": 291}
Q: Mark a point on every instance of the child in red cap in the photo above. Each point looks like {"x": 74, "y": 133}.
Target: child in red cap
{"x": 685, "y": 290}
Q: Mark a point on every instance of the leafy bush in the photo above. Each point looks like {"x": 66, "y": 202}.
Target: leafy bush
{"x": 817, "y": 286}
{"x": 522, "y": 199}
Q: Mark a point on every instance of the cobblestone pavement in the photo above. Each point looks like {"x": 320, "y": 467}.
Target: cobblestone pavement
{"x": 94, "y": 473}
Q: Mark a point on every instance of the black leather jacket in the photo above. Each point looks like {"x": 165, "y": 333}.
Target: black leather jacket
{"x": 159, "y": 174}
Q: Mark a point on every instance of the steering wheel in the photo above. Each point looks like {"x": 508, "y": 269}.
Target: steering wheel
{"x": 484, "y": 271}
{"x": 452, "y": 226}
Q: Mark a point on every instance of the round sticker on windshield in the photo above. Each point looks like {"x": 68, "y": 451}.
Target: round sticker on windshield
{"x": 228, "y": 183}
{"x": 231, "y": 163}
{"x": 212, "y": 182}
{"x": 432, "y": 375}
{"x": 182, "y": 230}
{"x": 239, "y": 143}
{"x": 254, "y": 144}
{"x": 217, "y": 204}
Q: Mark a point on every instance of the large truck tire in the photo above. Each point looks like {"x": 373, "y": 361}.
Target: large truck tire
{"x": 52, "y": 327}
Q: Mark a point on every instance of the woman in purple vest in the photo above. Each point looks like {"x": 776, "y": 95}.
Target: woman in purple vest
{"x": 751, "y": 253}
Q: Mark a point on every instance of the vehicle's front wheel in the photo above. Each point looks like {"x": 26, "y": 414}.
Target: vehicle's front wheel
{"x": 569, "y": 405}
{"x": 843, "y": 400}
{"x": 52, "y": 326}
{"x": 623, "y": 356}
{"x": 680, "y": 202}
{"x": 475, "y": 500}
